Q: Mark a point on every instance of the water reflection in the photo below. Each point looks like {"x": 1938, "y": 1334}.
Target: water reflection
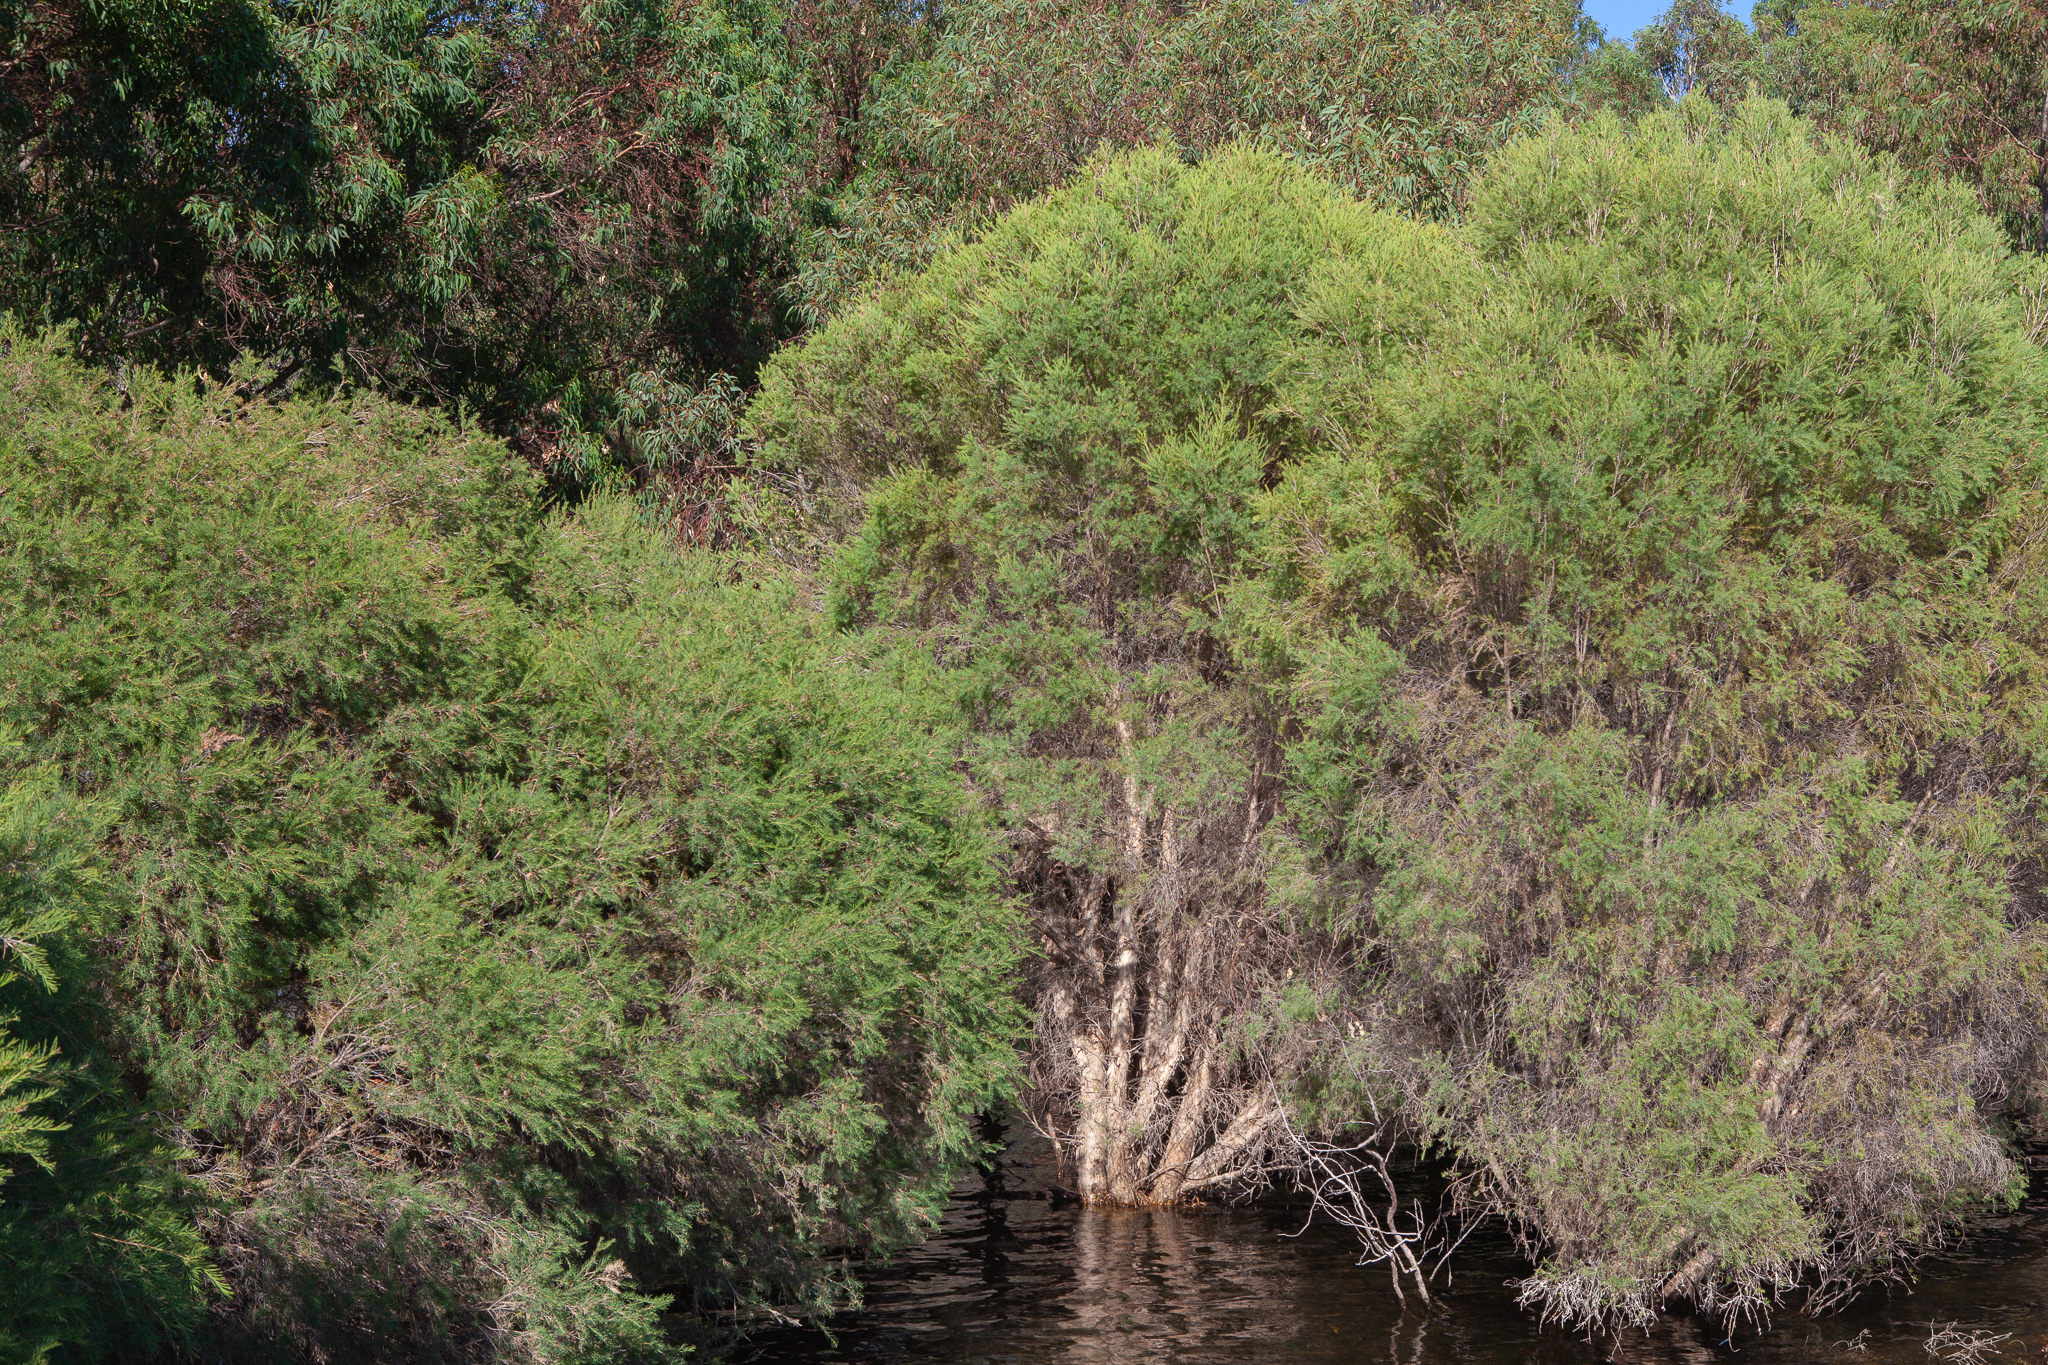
{"x": 1014, "y": 1277}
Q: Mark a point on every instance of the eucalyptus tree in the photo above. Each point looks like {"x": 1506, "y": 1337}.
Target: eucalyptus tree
{"x": 1955, "y": 89}
{"x": 1958, "y": 89}
{"x": 514, "y": 208}
{"x": 1009, "y": 98}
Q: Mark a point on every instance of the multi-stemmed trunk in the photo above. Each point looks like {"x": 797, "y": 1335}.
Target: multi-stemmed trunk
{"x": 1139, "y": 1080}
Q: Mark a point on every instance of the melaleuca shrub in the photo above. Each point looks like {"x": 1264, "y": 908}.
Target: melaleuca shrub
{"x": 1036, "y": 465}
{"x": 522, "y": 927}
{"x": 97, "y": 1241}
{"x": 1667, "y": 628}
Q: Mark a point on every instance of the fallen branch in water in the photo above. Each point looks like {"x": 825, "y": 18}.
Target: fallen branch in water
{"x": 1352, "y": 1186}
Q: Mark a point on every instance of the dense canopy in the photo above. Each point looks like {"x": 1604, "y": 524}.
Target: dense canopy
{"x": 625, "y": 626}
{"x": 500, "y": 910}
{"x": 1634, "y": 588}
{"x": 1674, "y": 615}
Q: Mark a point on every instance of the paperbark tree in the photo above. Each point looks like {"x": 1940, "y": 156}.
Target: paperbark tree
{"x": 1674, "y": 643}
{"x": 1037, "y": 464}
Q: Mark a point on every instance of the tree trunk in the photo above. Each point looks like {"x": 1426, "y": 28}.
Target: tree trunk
{"x": 2042, "y": 180}
{"x": 1145, "y": 962}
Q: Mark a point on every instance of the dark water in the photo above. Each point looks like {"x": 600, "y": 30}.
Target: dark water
{"x": 1022, "y": 1282}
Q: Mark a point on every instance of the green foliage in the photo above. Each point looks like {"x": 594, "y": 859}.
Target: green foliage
{"x": 1642, "y": 579}
{"x": 1615, "y": 76}
{"x": 1697, "y": 47}
{"x": 1038, "y": 462}
{"x": 508, "y": 207}
{"x": 1557, "y": 648}
{"x": 521, "y": 209}
{"x": 1959, "y": 89}
{"x": 1668, "y": 634}
{"x": 1950, "y": 89}
{"x": 636, "y": 165}
{"x": 96, "y": 1236}
{"x": 521, "y": 924}
{"x": 1046, "y": 446}
{"x": 1399, "y": 102}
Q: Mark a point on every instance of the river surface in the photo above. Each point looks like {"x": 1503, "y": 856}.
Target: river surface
{"x": 1013, "y": 1280}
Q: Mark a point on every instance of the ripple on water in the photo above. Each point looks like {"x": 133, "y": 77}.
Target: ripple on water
{"x": 1010, "y": 1280}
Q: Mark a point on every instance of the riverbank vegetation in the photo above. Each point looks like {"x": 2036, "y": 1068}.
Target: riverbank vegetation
{"x": 1588, "y": 656}
{"x": 618, "y": 620}
{"x": 507, "y": 923}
